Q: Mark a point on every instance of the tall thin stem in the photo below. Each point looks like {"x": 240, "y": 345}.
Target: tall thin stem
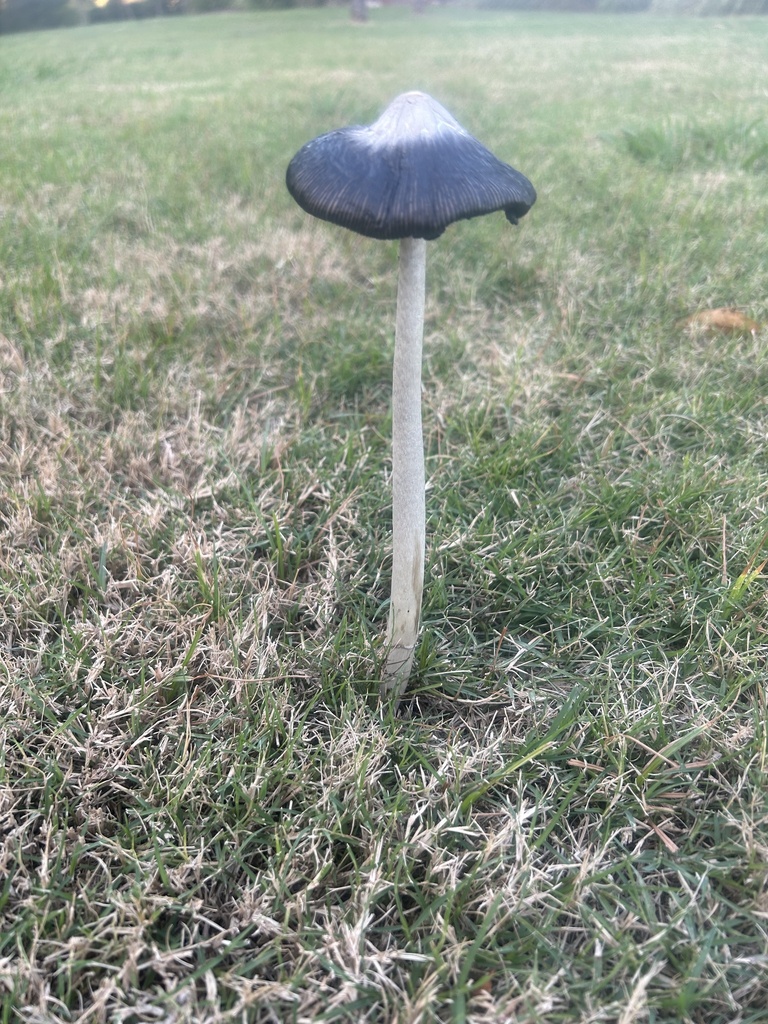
{"x": 408, "y": 512}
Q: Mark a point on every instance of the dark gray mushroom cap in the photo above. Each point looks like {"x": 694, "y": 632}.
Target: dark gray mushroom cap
{"x": 408, "y": 175}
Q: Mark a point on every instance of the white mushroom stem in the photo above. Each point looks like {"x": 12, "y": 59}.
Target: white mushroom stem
{"x": 408, "y": 513}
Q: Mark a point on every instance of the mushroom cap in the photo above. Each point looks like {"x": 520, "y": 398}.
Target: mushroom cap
{"x": 410, "y": 174}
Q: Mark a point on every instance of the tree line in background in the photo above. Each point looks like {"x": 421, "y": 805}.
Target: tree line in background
{"x": 24, "y": 15}
{"x": 702, "y": 8}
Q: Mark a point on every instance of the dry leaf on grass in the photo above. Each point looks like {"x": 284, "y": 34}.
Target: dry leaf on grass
{"x": 730, "y": 321}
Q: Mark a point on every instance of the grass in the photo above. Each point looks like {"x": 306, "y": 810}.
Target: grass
{"x": 204, "y": 813}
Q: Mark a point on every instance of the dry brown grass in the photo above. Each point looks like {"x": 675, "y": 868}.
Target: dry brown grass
{"x": 205, "y": 815}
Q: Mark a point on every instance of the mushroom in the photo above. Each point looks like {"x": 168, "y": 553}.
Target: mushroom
{"x": 407, "y": 176}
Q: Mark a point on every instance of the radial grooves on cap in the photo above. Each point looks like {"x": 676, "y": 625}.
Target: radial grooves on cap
{"x": 415, "y": 187}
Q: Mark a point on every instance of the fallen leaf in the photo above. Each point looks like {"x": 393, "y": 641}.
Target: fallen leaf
{"x": 730, "y": 321}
